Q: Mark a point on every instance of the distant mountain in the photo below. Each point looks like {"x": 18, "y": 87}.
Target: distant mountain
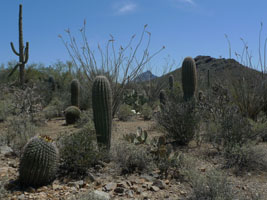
{"x": 146, "y": 76}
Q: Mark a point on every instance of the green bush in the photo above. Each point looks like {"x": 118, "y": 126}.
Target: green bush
{"x": 72, "y": 114}
{"x": 179, "y": 120}
{"x": 78, "y": 152}
{"x": 147, "y": 112}
{"x": 124, "y": 113}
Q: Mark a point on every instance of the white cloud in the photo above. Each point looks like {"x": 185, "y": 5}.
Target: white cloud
{"x": 187, "y": 1}
{"x": 125, "y": 8}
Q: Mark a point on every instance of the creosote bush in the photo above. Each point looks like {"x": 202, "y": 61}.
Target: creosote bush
{"x": 146, "y": 112}
{"x": 179, "y": 120}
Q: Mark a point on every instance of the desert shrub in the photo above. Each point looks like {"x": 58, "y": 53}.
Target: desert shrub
{"x": 146, "y": 112}
{"x": 54, "y": 109}
{"x": 5, "y": 107}
{"x": 78, "y": 152}
{"x": 124, "y": 113}
{"x": 86, "y": 117}
{"x": 211, "y": 186}
{"x": 179, "y": 120}
{"x": 246, "y": 158}
{"x": 20, "y": 130}
{"x": 131, "y": 158}
{"x": 72, "y": 114}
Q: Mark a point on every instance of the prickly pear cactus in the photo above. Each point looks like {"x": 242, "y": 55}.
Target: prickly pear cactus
{"x": 75, "y": 92}
{"x": 102, "y": 109}
{"x": 39, "y": 162}
{"x": 189, "y": 78}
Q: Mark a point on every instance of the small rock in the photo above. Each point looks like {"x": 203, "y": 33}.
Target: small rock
{"x": 109, "y": 186}
{"x": 101, "y": 195}
{"x": 182, "y": 192}
{"x": 159, "y": 184}
{"x": 22, "y": 196}
{"x": 119, "y": 190}
{"x": 122, "y": 184}
{"x": 154, "y": 188}
{"x": 6, "y": 151}
{"x": 130, "y": 193}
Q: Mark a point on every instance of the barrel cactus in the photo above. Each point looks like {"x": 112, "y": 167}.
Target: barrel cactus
{"x": 189, "y": 78}
{"x": 72, "y": 114}
{"x": 75, "y": 92}
{"x": 39, "y": 162}
{"x": 102, "y": 109}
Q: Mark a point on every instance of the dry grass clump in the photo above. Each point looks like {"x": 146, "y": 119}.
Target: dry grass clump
{"x": 131, "y": 158}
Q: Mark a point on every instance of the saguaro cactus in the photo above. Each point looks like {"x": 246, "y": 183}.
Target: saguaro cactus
{"x": 171, "y": 82}
{"x": 39, "y": 162}
{"x": 102, "y": 109}
{"x": 75, "y": 92}
{"x": 162, "y": 97}
{"x": 23, "y": 52}
{"x": 189, "y": 78}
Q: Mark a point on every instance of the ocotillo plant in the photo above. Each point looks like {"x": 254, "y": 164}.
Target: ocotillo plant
{"x": 102, "y": 109}
{"x": 171, "y": 82}
{"x": 75, "y": 92}
{"x": 23, "y": 52}
{"x": 189, "y": 78}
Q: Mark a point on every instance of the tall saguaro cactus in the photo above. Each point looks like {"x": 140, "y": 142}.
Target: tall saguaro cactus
{"x": 171, "y": 82}
{"x": 23, "y": 52}
{"x": 189, "y": 78}
{"x": 102, "y": 109}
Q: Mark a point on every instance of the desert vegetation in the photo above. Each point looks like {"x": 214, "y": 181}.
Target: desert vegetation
{"x": 88, "y": 130}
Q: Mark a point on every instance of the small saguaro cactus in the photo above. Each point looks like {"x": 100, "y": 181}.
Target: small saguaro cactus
{"x": 52, "y": 83}
{"x": 39, "y": 162}
{"x": 72, "y": 114}
{"x": 162, "y": 97}
{"x": 23, "y": 52}
{"x": 75, "y": 92}
{"x": 189, "y": 78}
{"x": 102, "y": 109}
{"x": 171, "y": 82}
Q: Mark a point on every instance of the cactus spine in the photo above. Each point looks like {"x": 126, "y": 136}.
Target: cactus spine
{"x": 23, "y": 52}
{"x": 39, "y": 162}
{"x": 75, "y": 92}
{"x": 189, "y": 78}
{"x": 102, "y": 109}
{"x": 171, "y": 82}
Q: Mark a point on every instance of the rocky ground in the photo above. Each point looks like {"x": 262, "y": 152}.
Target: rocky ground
{"x": 105, "y": 182}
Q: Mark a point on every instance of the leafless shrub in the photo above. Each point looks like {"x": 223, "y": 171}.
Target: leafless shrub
{"x": 121, "y": 67}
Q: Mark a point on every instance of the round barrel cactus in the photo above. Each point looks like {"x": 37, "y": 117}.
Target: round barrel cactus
{"x": 102, "y": 109}
{"x": 75, "y": 92}
{"x": 189, "y": 78}
{"x": 72, "y": 114}
{"x": 39, "y": 162}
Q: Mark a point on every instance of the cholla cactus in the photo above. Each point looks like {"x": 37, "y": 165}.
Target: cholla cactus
{"x": 189, "y": 78}
{"x": 75, "y": 92}
{"x": 39, "y": 162}
{"x": 102, "y": 109}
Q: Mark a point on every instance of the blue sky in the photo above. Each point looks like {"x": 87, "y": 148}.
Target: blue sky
{"x": 185, "y": 27}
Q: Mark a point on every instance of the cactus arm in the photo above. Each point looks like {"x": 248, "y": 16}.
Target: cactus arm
{"x": 14, "y": 69}
{"x": 13, "y": 49}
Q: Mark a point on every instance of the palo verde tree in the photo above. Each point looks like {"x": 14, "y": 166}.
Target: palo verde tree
{"x": 23, "y": 52}
{"x": 119, "y": 66}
